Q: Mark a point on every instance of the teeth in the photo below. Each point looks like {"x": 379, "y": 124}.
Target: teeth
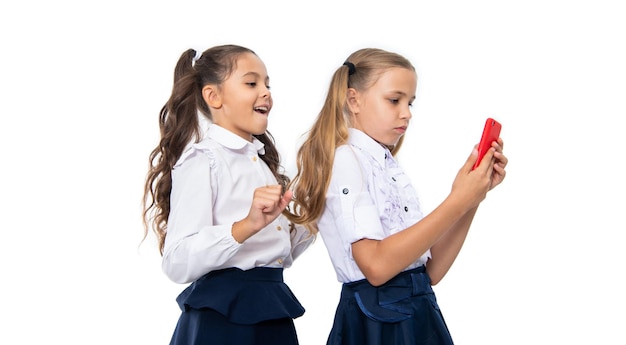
{"x": 260, "y": 108}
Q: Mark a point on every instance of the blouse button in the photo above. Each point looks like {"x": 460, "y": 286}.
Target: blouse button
{"x": 406, "y": 209}
{"x": 345, "y": 191}
{"x": 278, "y": 227}
{"x": 254, "y": 159}
{"x": 280, "y": 261}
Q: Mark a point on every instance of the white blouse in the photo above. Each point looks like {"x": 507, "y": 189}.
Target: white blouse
{"x": 213, "y": 183}
{"x": 369, "y": 196}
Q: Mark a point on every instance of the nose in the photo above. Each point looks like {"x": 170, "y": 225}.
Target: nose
{"x": 265, "y": 92}
{"x": 406, "y": 113}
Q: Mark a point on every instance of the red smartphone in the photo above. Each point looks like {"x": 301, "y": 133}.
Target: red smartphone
{"x": 491, "y": 133}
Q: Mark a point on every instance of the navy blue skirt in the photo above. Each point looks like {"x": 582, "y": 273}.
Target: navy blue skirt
{"x": 402, "y": 311}
{"x": 237, "y": 307}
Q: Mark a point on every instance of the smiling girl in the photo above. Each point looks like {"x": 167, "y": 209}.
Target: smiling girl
{"x": 214, "y": 196}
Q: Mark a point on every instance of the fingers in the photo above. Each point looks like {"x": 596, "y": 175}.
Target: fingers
{"x": 495, "y": 157}
{"x": 499, "y": 164}
{"x": 500, "y": 160}
{"x": 268, "y": 203}
{"x": 270, "y": 199}
{"x": 500, "y": 143}
{"x": 471, "y": 160}
{"x": 286, "y": 199}
{"x": 485, "y": 164}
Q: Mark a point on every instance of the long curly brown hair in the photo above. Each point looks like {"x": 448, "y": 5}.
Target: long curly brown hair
{"x": 330, "y": 130}
{"x": 179, "y": 125}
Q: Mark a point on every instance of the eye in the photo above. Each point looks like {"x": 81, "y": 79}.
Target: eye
{"x": 410, "y": 104}
{"x": 251, "y": 84}
{"x": 268, "y": 87}
{"x": 394, "y": 100}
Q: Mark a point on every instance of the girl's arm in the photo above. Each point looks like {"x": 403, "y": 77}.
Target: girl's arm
{"x": 443, "y": 230}
{"x": 267, "y": 204}
{"x": 381, "y": 260}
{"x": 194, "y": 245}
{"x": 445, "y": 251}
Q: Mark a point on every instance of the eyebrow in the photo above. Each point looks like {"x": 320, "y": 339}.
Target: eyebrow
{"x": 267, "y": 78}
{"x": 401, "y": 93}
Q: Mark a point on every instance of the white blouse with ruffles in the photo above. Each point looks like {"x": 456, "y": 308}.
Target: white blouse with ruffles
{"x": 212, "y": 187}
{"x": 369, "y": 196}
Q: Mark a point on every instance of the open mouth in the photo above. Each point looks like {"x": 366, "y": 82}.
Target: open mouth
{"x": 263, "y": 110}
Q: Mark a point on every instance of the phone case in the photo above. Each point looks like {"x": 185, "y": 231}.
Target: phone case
{"x": 491, "y": 133}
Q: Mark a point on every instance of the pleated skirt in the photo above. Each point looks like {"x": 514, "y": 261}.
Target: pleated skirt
{"x": 403, "y": 311}
{"x": 236, "y": 307}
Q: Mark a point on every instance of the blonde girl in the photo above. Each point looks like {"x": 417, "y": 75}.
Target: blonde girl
{"x": 350, "y": 188}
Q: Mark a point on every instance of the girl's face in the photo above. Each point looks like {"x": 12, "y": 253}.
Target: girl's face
{"x": 383, "y": 110}
{"x": 243, "y": 103}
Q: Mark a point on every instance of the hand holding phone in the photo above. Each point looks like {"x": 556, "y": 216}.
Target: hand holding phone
{"x": 491, "y": 133}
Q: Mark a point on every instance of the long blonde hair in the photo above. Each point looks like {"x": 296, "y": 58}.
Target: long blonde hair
{"x": 315, "y": 156}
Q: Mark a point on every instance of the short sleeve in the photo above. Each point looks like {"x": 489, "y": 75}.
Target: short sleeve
{"x": 349, "y": 194}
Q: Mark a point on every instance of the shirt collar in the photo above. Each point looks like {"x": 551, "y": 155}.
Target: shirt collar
{"x": 366, "y": 143}
{"x": 232, "y": 140}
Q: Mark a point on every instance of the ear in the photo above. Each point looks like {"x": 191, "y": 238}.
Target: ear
{"x": 352, "y": 98}
{"x": 211, "y": 95}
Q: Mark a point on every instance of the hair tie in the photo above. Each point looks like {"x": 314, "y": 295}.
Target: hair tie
{"x": 351, "y": 67}
{"x": 196, "y": 57}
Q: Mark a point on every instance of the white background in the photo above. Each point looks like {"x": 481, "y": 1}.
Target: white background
{"x": 81, "y": 85}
